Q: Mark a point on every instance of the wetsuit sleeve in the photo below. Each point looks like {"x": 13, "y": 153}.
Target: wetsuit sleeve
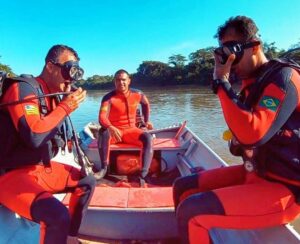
{"x": 34, "y": 128}
{"x": 255, "y": 126}
{"x": 145, "y": 107}
{"x": 104, "y": 112}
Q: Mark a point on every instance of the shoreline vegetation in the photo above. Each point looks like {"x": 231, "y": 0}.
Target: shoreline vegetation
{"x": 197, "y": 69}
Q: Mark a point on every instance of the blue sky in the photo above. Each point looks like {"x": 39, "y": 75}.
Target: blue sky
{"x": 110, "y": 35}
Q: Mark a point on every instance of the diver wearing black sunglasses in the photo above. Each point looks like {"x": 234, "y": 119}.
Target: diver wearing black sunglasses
{"x": 263, "y": 119}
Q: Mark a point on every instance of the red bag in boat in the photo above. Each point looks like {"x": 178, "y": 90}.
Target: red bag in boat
{"x": 128, "y": 164}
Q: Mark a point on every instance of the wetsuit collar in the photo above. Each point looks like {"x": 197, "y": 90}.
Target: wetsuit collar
{"x": 123, "y": 94}
{"x": 256, "y": 74}
{"x": 43, "y": 84}
{"x": 261, "y": 70}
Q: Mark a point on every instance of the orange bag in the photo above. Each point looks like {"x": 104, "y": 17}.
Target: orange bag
{"x": 128, "y": 164}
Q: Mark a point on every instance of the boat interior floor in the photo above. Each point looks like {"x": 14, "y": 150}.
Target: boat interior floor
{"x": 162, "y": 179}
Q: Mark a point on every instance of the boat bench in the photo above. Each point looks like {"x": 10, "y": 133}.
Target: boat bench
{"x": 278, "y": 234}
{"x": 158, "y": 144}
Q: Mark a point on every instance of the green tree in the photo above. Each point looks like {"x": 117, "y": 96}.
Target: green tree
{"x": 203, "y": 56}
{"x": 177, "y": 60}
{"x": 152, "y": 72}
{"x": 293, "y": 53}
{"x": 296, "y": 45}
{"x": 6, "y": 68}
{"x": 97, "y": 82}
{"x": 200, "y": 68}
{"x": 271, "y": 51}
{"x": 178, "y": 71}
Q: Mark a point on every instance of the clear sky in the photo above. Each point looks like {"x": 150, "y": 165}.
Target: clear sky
{"x": 110, "y": 35}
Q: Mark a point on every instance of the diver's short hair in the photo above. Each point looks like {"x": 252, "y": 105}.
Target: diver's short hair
{"x": 243, "y": 26}
{"x": 121, "y": 71}
{"x": 55, "y": 51}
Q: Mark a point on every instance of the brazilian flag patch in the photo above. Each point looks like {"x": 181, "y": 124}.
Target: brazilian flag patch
{"x": 271, "y": 103}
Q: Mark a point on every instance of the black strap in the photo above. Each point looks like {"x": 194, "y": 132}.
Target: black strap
{"x": 29, "y": 79}
{"x": 263, "y": 81}
{"x": 42, "y": 100}
{"x": 251, "y": 44}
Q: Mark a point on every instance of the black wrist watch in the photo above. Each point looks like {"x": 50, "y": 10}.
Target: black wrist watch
{"x": 215, "y": 85}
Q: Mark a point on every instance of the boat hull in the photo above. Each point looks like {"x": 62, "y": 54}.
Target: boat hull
{"x": 145, "y": 214}
{"x": 14, "y": 229}
{"x": 130, "y": 224}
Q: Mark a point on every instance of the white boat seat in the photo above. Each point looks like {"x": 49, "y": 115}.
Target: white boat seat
{"x": 279, "y": 234}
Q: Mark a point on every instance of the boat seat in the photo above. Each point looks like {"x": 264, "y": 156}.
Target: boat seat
{"x": 134, "y": 197}
{"x": 278, "y": 234}
{"x": 158, "y": 144}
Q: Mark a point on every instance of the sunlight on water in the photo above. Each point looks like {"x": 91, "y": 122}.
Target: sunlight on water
{"x": 172, "y": 105}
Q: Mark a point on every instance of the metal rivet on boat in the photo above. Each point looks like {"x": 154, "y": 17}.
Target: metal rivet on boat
{"x": 249, "y": 166}
{"x": 48, "y": 169}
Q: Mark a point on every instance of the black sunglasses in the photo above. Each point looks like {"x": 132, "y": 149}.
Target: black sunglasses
{"x": 234, "y": 47}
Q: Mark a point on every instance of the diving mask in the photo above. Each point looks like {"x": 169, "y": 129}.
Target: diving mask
{"x": 71, "y": 70}
{"x": 233, "y": 47}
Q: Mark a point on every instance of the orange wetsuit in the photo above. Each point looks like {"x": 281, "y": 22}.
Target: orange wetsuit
{"x": 264, "y": 120}
{"x": 120, "y": 111}
{"x": 29, "y": 176}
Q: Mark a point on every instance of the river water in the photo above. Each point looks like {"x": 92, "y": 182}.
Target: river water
{"x": 171, "y": 105}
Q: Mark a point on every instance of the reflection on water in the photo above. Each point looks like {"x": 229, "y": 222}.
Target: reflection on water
{"x": 172, "y": 105}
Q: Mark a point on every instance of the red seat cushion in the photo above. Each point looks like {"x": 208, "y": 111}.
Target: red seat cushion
{"x": 133, "y": 197}
{"x": 158, "y": 143}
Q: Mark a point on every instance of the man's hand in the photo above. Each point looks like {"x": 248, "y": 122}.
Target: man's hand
{"x": 234, "y": 141}
{"x": 149, "y": 125}
{"x": 115, "y": 133}
{"x": 222, "y": 71}
{"x": 72, "y": 101}
{"x": 235, "y": 147}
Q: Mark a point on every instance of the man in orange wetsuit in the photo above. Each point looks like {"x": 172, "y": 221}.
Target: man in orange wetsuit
{"x": 265, "y": 122}
{"x": 117, "y": 116}
{"x": 29, "y": 176}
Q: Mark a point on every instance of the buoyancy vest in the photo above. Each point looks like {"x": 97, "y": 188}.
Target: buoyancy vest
{"x": 278, "y": 158}
{"x": 13, "y": 150}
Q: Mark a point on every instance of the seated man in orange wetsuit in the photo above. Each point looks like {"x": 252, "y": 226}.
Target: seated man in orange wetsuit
{"x": 264, "y": 121}
{"x": 29, "y": 176}
{"x": 117, "y": 116}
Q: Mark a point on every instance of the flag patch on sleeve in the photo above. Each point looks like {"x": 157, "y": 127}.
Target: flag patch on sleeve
{"x": 104, "y": 108}
{"x": 31, "y": 110}
{"x": 271, "y": 103}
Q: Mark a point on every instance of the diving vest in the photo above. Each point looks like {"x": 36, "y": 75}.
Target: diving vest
{"x": 13, "y": 151}
{"x": 278, "y": 158}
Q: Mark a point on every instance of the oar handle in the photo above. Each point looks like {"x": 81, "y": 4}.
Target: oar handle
{"x": 180, "y": 129}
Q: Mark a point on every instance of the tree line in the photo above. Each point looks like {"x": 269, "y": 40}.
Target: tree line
{"x": 6, "y": 68}
{"x": 196, "y": 69}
